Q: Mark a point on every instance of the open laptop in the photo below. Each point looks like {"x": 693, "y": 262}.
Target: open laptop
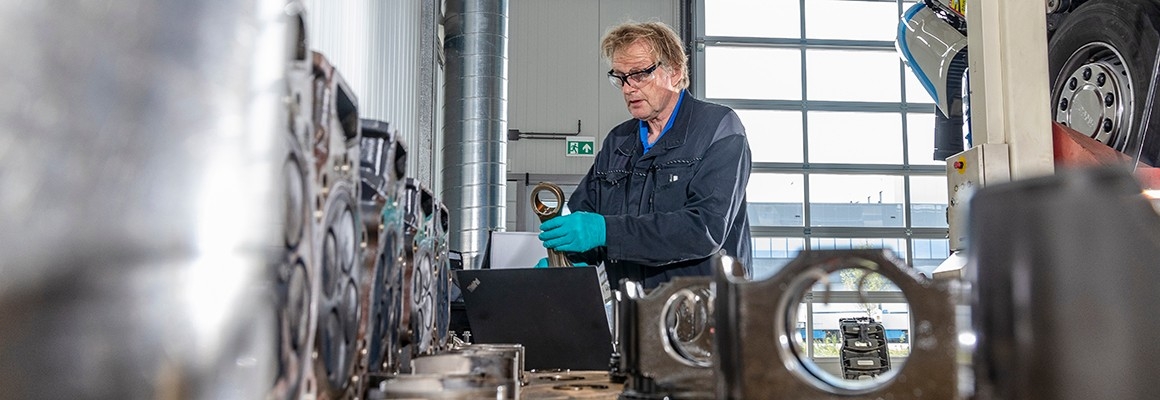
{"x": 557, "y": 314}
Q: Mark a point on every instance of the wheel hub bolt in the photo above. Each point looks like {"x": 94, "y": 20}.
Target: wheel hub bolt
{"x": 1087, "y": 73}
{"x": 1100, "y": 79}
{"x": 1071, "y": 84}
{"x": 1109, "y": 99}
{"x": 1063, "y": 104}
{"x": 1107, "y": 125}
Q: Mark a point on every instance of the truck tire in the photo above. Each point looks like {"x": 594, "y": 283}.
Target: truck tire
{"x": 1100, "y": 63}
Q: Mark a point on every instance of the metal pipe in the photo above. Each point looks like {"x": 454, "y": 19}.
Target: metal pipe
{"x": 140, "y": 155}
{"x": 475, "y": 149}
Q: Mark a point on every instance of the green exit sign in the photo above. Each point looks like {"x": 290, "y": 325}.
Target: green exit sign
{"x": 580, "y": 146}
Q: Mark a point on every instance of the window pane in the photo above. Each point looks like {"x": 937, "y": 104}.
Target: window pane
{"x": 856, "y": 200}
{"x": 776, "y": 199}
{"x": 753, "y": 18}
{"x": 770, "y": 254}
{"x": 920, "y": 139}
{"x": 752, "y": 73}
{"x": 852, "y": 20}
{"x": 853, "y": 75}
{"x": 774, "y": 136}
{"x": 897, "y": 246}
{"x": 855, "y": 137}
{"x": 929, "y": 253}
{"x": 928, "y": 201}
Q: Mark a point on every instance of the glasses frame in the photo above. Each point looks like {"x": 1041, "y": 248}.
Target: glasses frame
{"x": 618, "y": 81}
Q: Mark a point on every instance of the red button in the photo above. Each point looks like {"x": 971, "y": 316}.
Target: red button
{"x": 958, "y": 165}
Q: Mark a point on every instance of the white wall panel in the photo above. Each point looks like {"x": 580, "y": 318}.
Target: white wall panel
{"x": 557, "y": 76}
{"x": 375, "y": 46}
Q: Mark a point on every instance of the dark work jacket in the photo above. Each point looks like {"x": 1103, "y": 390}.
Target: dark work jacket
{"x": 667, "y": 211}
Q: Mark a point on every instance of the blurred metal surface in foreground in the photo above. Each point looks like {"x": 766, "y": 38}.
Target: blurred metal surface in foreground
{"x": 138, "y": 197}
{"x": 1065, "y": 305}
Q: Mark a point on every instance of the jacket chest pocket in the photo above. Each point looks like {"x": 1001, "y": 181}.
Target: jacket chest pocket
{"x": 613, "y": 188}
{"x": 672, "y": 185}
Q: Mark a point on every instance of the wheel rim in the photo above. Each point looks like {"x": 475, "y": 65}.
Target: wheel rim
{"x": 1093, "y": 94}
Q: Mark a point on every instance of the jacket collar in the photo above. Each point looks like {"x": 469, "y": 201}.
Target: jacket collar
{"x": 674, "y": 138}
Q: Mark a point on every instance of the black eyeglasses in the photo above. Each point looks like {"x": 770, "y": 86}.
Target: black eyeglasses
{"x": 635, "y": 79}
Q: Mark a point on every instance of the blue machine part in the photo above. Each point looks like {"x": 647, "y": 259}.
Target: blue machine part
{"x": 904, "y": 49}
{"x": 930, "y": 45}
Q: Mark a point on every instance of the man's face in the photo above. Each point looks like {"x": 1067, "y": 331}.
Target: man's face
{"x": 648, "y": 97}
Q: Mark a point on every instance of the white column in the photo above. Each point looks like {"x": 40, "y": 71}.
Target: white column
{"x": 1010, "y": 101}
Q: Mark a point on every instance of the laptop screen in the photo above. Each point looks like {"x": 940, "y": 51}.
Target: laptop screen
{"x": 557, "y": 314}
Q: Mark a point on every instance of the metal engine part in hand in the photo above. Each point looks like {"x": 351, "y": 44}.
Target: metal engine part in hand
{"x": 492, "y": 365}
{"x": 337, "y": 235}
{"x": 546, "y": 212}
{"x": 667, "y": 339}
{"x": 758, "y": 344}
{"x": 140, "y": 163}
{"x": 1066, "y": 273}
{"x": 437, "y": 386}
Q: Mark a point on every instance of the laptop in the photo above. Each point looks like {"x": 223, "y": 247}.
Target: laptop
{"x": 557, "y": 314}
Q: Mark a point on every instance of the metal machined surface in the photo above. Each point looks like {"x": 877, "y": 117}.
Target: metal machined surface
{"x": 383, "y": 167}
{"x": 668, "y": 339}
{"x": 141, "y": 151}
{"x": 758, "y": 356}
{"x": 424, "y": 288}
{"x": 337, "y": 234}
{"x": 475, "y": 149}
{"x": 1064, "y": 306}
{"x": 546, "y": 212}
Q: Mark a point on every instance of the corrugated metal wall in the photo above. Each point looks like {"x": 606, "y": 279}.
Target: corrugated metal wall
{"x": 556, "y": 75}
{"x": 376, "y": 45}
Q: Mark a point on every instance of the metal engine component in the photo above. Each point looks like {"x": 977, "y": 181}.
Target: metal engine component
{"x": 546, "y": 212}
{"x": 1065, "y": 288}
{"x": 570, "y": 385}
{"x": 512, "y": 352}
{"x": 443, "y": 277}
{"x": 383, "y": 169}
{"x": 412, "y": 227}
{"x": 141, "y": 155}
{"x": 667, "y": 339}
{"x": 424, "y": 281}
{"x": 758, "y": 344}
{"x": 438, "y": 386}
{"x": 296, "y": 275}
{"x": 496, "y": 367}
{"x": 337, "y": 233}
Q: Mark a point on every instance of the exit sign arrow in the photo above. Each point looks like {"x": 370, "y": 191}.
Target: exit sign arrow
{"x": 580, "y": 146}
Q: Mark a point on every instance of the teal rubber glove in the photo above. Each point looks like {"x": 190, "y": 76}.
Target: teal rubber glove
{"x": 574, "y": 233}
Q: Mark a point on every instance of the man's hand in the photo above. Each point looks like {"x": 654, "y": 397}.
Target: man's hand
{"x": 574, "y": 233}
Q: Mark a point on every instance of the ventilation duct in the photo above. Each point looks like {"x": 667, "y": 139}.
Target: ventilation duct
{"x": 475, "y": 149}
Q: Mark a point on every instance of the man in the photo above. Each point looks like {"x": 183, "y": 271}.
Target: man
{"x": 667, "y": 189}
